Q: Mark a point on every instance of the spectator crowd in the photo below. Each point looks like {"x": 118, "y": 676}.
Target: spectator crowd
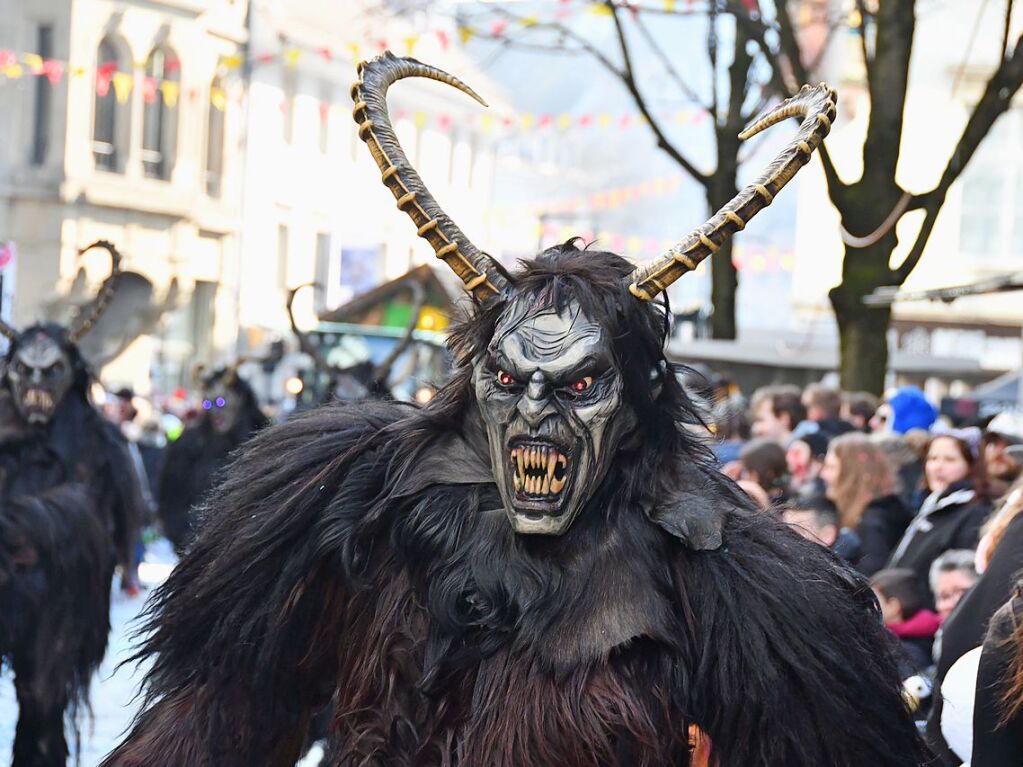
{"x": 929, "y": 515}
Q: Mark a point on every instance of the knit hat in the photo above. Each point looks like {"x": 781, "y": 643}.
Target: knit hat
{"x": 911, "y": 410}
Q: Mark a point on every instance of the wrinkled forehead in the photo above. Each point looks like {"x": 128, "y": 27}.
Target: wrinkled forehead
{"x": 39, "y": 351}
{"x": 550, "y": 340}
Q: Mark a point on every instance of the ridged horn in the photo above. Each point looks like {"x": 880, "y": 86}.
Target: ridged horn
{"x": 8, "y": 331}
{"x": 85, "y": 321}
{"x": 480, "y": 274}
{"x": 307, "y": 346}
{"x": 816, "y": 106}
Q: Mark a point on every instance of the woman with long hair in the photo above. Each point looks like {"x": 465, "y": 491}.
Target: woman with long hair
{"x": 859, "y": 482}
{"x": 952, "y": 513}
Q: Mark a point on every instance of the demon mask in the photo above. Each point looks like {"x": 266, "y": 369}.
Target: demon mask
{"x": 42, "y": 362}
{"x": 548, "y": 387}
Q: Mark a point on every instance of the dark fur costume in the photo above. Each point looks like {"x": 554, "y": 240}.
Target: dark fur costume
{"x": 193, "y": 462}
{"x": 69, "y": 509}
{"x": 362, "y": 554}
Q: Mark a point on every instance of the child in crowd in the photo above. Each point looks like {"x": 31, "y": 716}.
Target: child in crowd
{"x": 903, "y": 608}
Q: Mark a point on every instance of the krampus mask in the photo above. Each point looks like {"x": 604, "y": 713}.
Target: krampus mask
{"x": 550, "y": 387}
{"x": 43, "y": 361}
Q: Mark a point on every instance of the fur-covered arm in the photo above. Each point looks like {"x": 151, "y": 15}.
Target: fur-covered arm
{"x": 791, "y": 664}
{"x": 244, "y": 635}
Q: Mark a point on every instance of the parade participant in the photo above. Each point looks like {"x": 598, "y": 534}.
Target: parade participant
{"x": 542, "y": 566}
{"x": 70, "y": 502}
{"x": 229, "y": 416}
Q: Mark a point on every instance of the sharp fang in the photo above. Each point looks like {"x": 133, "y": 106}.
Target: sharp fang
{"x": 521, "y": 461}
{"x": 545, "y": 489}
{"x": 550, "y": 466}
{"x": 531, "y": 485}
{"x": 534, "y": 457}
{"x": 557, "y": 485}
{"x": 516, "y": 482}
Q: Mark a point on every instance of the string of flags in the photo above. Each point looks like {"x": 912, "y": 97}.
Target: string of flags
{"x": 14, "y": 66}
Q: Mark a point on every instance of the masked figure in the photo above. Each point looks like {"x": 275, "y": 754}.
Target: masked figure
{"x": 364, "y": 379}
{"x": 69, "y": 509}
{"x": 540, "y": 567}
{"x": 229, "y": 416}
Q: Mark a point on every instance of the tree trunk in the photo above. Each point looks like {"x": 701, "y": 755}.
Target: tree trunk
{"x": 863, "y": 340}
{"x": 724, "y": 277}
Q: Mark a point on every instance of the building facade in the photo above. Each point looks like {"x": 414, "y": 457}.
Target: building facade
{"x": 122, "y": 122}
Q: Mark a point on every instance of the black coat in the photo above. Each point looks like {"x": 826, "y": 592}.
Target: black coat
{"x": 965, "y": 627}
{"x": 880, "y": 529}
{"x": 952, "y": 522}
{"x": 994, "y": 745}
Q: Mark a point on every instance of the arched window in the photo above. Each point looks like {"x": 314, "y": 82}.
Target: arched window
{"x": 215, "y": 138}
{"x": 111, "y": 109}
{"x": 160, "y": 91}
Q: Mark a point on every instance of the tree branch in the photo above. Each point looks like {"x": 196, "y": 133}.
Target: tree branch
{"x": 669, "y": 67}
{"x": 998, "y": 95}
{"x": 1005, "y": 34}
{"x": 628, "y": 77}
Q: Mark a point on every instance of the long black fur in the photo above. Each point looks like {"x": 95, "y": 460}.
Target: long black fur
{"x": 69, "y": 509}
{"x": 362, "y": 555}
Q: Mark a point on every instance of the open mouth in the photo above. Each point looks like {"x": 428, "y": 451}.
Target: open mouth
{"x": 540, "y": 472}
{"x": 38, "y": 399}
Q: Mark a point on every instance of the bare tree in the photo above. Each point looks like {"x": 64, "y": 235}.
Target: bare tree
{"x": 872, "y": 206}
{"x": 730, "y": 107}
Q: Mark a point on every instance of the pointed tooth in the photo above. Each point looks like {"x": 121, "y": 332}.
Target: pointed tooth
{"x": 551, "y": 464}
{"x": 529, "y": 484}
{"x": 520, "y": 460}
{"x": 516, "y": 482}
{"x": 534, "y": 458}
{"x": 557, "y": 485}
{"x": 545, "y": 488}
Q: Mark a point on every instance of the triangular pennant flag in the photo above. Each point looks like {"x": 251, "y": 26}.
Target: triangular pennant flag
{"x": 410, "y": 44}
{"x": 218, "y": 98}
{"x": 149, "y": 89}
{"x": 465, "y": 34}
{"x": 233, "y": 61}
{"x": 170, "y": 91}
{"x": 122, "y": 86}
{"x": 291, "y": 57}
{"x": 12, "y": 72}
{"x": 34, "y": 62}
{"x": 54, "y": 70}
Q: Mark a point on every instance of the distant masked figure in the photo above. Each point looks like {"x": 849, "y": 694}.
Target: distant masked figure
{"x": 70, "y": 503}
{"x": 230, "y": 415}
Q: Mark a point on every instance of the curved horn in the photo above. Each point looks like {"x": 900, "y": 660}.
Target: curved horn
{"x": 8, "y": 331}
{"x": 83, "y": 324}
{"x": 307, "y": 346}
{"x": 817, "y": 108}
{"x": 482, "y": 276}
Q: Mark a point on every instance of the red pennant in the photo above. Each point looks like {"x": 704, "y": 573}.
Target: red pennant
{"x": 53, "y": 70}
{"x": 326, "y": 53}
{"x": 265, "y": 58}
{"x": 498, "y": 27}
{"x": 444, "y": 122}
{"x": 324, "y": 111}
{"x": 544, "y": 121}
{"x": 585, "y": 121}
{"x": 149, "y": 90}
{"x": 443, "y": 39}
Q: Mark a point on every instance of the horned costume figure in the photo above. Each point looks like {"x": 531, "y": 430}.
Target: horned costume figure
{"x": 364, "y": 379}
{"x": 230, "y": 415}
{"x": 540, "y": 567}
{"x": 69, "y": 508}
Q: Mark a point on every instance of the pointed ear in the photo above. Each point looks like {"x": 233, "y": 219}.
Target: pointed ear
{"x": 701, "y": 503}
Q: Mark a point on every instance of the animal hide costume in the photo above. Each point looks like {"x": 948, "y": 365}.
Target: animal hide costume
{"x": 192, "y": 463}
{"x": 541, "y": 567}
{"x": 69, "y": 508}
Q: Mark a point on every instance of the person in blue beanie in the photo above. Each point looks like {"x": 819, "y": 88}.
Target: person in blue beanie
{"x": 911, "y": 410}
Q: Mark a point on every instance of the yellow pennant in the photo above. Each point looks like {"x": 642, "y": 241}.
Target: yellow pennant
{"x": 122, "y": 86}
{"x": 170, "y": 91}
{"x": 33, "y": 61}
{"x": 465, "y": 34}
{"x": 601, "y": 10}
{"x": 218, "y": 98}
{"x": 291, "y": 57}
{"x": 233, "y": 61}
{"x": 410, "y": 44}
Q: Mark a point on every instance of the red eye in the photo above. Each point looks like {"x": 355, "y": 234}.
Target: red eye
{"x": 505, "y": 379}
{"x": 582, "y": 384}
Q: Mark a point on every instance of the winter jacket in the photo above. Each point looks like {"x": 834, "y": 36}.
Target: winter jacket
{"x": 966, "y": 626}
{"x": 950, "y": 520}
{"x": 916, "y": 635}
{"x": 880, "y": 529}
